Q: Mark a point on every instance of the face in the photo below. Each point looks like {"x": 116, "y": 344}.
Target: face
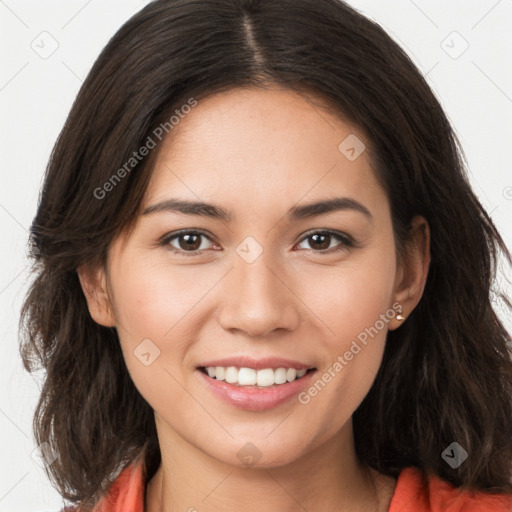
{"x": 267, "y": 284}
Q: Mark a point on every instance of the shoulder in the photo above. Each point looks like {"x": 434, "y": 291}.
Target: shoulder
{"x": 415, "y": 491}
{"x": 126, "y": 492}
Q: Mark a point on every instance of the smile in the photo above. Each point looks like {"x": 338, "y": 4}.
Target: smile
{"x": 265, "y": 377}
{"x": 255, "y": 390}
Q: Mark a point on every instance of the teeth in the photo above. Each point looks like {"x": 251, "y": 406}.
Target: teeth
{"x": 250, "y": 377}
{"x": 265, "y": 377}
{"x": 280, "y": 376}
{"x": 231, "y": 375}
{"x": 247, "y": 377}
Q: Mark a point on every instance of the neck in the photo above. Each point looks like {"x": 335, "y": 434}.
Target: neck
{"x": 329, "y": 478}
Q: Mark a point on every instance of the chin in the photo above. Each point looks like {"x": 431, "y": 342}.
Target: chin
{"x": 261, "y": 453}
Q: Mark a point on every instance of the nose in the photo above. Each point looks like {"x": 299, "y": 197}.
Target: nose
{"x": 257, "y": 299}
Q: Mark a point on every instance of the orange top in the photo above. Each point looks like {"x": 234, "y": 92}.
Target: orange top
{"x": 412, "y": 494}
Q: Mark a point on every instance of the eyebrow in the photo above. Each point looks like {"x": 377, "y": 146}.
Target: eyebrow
{"x": 295, "y": 213}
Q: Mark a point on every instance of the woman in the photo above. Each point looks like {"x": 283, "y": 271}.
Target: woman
{"x": 263, "y": 277}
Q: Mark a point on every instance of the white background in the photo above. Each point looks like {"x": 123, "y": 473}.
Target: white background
{"x": 36, "y": 94}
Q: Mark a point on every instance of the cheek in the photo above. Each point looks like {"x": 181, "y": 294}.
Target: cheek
{"x": 350, "y": 298}
{"x": 154, "y": 299}
{"x": 164, "y": 304}
{"x": 154, "y": 307}
{"x": 356, "y": 298}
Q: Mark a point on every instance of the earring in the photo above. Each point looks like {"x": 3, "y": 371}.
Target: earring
{"x": 400, "y": 317}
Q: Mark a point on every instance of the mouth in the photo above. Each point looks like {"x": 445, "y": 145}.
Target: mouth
{"x": 255, "y": 384}
{"x": 246, "y": 377}
{"x": 255, "y": 390}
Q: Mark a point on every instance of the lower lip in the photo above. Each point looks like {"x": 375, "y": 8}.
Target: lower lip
{"x": 254, "y": 398}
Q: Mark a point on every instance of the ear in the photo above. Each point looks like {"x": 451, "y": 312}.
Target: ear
{"x": 94, "y": 285}
{"x": 412, "y": 271}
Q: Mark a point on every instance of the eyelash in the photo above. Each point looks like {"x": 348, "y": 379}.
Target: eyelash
{"x": 347, "y": 242}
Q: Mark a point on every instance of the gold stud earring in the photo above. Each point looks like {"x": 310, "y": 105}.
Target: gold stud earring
{"x": 400, "y": 317}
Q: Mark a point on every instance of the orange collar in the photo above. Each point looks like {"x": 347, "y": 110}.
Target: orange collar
{"x": 413, "y": 492}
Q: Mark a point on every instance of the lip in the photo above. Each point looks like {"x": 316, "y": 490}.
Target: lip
{"x": 257, "y": 364}
{"x": 252, "y": 398}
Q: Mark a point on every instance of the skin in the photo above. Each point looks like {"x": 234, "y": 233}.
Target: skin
{"x": 257, "y": 153}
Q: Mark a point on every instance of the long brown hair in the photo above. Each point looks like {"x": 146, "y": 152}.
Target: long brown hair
{"x": 446, "y": 374}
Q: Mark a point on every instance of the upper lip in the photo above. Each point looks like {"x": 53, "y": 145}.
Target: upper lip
{"x": 257, "y": 364}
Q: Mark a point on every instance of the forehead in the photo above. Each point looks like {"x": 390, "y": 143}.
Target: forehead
{"x": 255, "y": 148}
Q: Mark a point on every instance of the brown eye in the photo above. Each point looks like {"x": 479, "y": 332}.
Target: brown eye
{"x": 321, "y": 241}
{"x": 190, "y": 242}
{"x": 186, "y": 242}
